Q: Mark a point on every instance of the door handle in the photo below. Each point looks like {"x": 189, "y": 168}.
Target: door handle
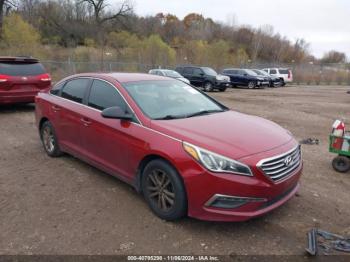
{"x": 56, "y": 108}
{"x": 85, "y": 121}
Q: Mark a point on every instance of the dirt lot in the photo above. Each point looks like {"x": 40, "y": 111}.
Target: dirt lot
{"x": 64, "y": 206}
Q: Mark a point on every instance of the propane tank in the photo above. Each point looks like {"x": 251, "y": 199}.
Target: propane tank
{"x": 338, "y": 131}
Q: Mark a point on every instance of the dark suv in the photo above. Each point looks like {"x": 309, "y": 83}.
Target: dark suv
{"x": 204, "y": 77}
{"x": 21, "y": 78}
{"x": 245, "y": 77}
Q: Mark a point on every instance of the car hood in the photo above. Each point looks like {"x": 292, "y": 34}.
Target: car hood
{"x": 220, "y": 77}
{"x": 229, "y": 133}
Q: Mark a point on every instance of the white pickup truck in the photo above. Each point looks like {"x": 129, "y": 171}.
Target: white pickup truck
{"x": 285, "y": 74}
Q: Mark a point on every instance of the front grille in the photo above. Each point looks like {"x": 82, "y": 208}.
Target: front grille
{"x": 280, "y": 167}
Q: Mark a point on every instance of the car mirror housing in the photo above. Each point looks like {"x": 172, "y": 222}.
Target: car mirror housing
{"x": 116, "y": 112}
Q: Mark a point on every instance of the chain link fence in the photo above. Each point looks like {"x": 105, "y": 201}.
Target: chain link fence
{"x": 306, "y": 74}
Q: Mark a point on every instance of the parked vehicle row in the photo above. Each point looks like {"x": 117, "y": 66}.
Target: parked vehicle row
{"x": 209, "y": 80}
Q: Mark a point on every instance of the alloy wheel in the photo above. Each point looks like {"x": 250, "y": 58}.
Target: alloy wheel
{"x": 208, "y": 87}
{"x": 161, "y": 190}
{"x": 48, "y": 139}
{"x": 251, "y": 85}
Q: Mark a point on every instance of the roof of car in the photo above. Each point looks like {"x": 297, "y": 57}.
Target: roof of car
{"x": 125, "y": 77}
{"x": 18, "y": 59}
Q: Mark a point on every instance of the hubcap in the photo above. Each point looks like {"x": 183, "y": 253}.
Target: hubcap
{"x": 48, "y": 139}
{"x": 160, "y": 189}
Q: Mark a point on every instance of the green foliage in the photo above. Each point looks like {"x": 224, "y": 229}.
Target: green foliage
{"x": 156, "y": 52}
{"x": 18, "y": 33}
{"x": 123, "y": 39}
{"x": 89, "y": 42}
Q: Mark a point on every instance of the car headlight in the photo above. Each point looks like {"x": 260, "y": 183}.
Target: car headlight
{"x": 215, "y": 162}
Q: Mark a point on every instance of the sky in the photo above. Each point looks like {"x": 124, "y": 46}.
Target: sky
{"x": 325, "y": 24}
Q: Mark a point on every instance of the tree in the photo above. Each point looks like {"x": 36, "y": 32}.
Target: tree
{"x": 18, "y": 33}
{"x": 102, "y": 17}
{"x": 334, "y": 57}
{"x": 100, "y": 14}
{"x": 156, "y": 52}
{"x": 5, "y": 6}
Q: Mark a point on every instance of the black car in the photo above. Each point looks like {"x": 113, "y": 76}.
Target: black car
{"x": 204, "y": 77}
{"x": 245, "y": 77}
{"x": 274, "y": 81}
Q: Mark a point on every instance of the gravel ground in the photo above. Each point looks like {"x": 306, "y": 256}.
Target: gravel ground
{"x": 64, "y": 206}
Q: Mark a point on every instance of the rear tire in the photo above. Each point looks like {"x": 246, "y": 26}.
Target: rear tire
{"x": 222, "y": 89}
{"x": 208, "y": 87}
{"x": 49, "y": 140}
{"x": 341, "y": 164}
{"x": 163, "y": 190}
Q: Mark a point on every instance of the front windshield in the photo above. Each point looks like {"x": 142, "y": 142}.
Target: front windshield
{"x": 170, "y": 99}
{"x": 209, "y": 71}
{"x": 171, "y": 73}
{"x": 251, "y": 72}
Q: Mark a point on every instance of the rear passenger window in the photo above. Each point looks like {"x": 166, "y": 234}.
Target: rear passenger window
{"x": 273, "y": 72}
{"x": 75, "y": 89}
{"x": 284, "y": 71}
{"x": 188, "y": 71}
{"x": 57, "y": 88}
{"x": 104, "y": 95}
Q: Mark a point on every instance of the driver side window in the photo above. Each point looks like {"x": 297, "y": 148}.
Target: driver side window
{"x": 103, "y": 95}
{"x": 197, "y": 72}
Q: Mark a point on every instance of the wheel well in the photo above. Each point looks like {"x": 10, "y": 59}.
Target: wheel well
{"x": 142, "y": 166}
{"x": 42, "y": 121}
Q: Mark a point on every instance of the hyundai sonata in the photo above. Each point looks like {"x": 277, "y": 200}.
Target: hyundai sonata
{"x": 184, "y": 151}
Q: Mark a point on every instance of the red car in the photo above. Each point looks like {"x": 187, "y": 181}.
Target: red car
{"x": 184, "y": 151}
{"x": 21, "y": 78}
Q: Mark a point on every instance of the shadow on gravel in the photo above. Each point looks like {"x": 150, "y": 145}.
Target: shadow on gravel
{"x": 5, "y": 109}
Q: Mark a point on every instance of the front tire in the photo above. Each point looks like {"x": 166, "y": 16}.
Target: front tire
{"x": 222, "y": 89}
{"x": 208, "y": 87}
{"x": 164, "y": 191}
{"x": 49, "y": 140}
{"x": 251, "y": 85}
{"x": 341, "y": 164}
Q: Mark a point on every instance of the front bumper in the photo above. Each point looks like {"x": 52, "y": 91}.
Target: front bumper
{"x": 263, "y": 83}
{"x": 14, "y": 97}
{"x": 222, "y": 84}
{"x": 263, "y": 194}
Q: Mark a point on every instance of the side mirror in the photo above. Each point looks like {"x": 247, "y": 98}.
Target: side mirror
{"x": 116, "y": 112}
{"x": 245, "y": 74}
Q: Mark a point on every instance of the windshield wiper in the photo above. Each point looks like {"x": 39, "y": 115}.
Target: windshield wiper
{"x": 168, "y": 117}
{"x": 205, "y": 112}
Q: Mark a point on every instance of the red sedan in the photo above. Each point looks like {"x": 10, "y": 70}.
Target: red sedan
{"x": 184, "y": 151}
{"x": 21, "y": 78}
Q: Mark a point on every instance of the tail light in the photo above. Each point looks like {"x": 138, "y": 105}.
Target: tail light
{"x": 45, "y": 77}
{"x": 4, "y": 78}
{"x": 289, "y": 74}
